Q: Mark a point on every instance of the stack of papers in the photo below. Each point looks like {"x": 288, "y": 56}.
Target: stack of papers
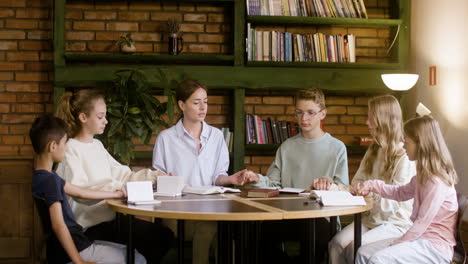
{"x": 337, "y": 198}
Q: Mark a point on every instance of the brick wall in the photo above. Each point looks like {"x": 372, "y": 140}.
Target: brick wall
{"x": 94, "y": 26}
{"x": 25, "y": 71}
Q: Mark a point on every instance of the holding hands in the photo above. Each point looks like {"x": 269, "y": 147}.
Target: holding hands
{"x": 321, "y": 184}
{"x": 361, "y": 189}
{"x": 242, "y": 177}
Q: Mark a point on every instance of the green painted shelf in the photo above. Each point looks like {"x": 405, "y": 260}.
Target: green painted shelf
{"x": 324, "y": 65}
{"x": 290, "y": 20}
{"x": 152, "y": 58}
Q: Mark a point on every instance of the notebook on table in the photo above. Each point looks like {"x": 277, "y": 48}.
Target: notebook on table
{"x": 171, "y": 186}
{"x": 337, "y": 198}
{"x": 141, "y": 192}
{"x": 209, "y": 189}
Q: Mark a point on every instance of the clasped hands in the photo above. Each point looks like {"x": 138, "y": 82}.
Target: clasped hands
{"x": 360, "y": 189}
{"x": 325, "y": 184}
{"x": 243, "y": 177}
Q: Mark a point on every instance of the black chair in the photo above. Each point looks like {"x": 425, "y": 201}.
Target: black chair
{"x": 43, "y": 211}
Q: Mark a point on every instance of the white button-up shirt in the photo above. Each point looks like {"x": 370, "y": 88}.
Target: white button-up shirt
{"x": 175, "y": 152}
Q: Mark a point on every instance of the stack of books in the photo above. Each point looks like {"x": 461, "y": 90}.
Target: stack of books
{"x": 268, "y": 131}
{"x": 313, "y": 8}
{"x": 289, "y": 47}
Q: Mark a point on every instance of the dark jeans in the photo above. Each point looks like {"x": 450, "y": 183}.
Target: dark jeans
{"x": 152, "y": 240}
{"x": 273, "y": 233}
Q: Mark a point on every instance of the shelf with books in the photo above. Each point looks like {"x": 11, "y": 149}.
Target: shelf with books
{"x": 313, "y": 8}
{"x": 293, "y": 20}
{"x": 297, "y": 64}
{"x": 301, "y": 41}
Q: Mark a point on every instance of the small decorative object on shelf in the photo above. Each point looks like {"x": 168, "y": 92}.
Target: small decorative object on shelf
{"x": 126, "y": 44}
{"x": 176, "y": 43}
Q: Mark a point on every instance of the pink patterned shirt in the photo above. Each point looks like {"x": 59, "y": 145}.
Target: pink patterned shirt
{"x": 434, "y": 213}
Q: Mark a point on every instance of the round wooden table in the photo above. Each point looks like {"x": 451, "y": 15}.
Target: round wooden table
{"x": 248, "y": 212}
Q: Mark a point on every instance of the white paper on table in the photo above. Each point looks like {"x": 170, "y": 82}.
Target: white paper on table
{"x": 169, "y": 186}
{"x": 140, "y": 192}
{"x": 337, "y": 198}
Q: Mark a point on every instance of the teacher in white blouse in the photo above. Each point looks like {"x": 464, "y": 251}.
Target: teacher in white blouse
{"x": 196, "y": 151}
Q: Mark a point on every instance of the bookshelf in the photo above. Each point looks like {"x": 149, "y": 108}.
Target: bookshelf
{"x": 233, "y": 72}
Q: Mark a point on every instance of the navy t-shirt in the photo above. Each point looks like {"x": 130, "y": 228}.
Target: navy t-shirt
{"x": 49, "y": 187}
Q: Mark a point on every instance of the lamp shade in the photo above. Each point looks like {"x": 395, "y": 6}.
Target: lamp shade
{"x": 400, "y": 82}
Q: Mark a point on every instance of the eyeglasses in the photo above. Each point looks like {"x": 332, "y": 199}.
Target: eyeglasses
{"x": 310, "y": 113}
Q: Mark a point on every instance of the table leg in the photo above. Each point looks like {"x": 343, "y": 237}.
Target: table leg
{"x": 180, "y": 241}
{"x": 310, "y": 240}
{"x": 241, "y": 247}
{"x": 333, "y": 223}
{"x": 224, "y": 242}
{"x": 130, "y": 246}
{"x": 357, "y": 233}
{"x": 254, "y": 247}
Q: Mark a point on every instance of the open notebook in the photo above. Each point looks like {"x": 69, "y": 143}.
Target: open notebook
{"x": 210, "y": 189}
{"x": 337, "y": 198}
{"x": 286, "y": 189}
{"x": 140, "y": 192}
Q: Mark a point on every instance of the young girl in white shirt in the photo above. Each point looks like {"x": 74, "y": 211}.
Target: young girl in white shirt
{"x": 87, "y": 164}
{"x": 431, "y": 238}
{"x": 385, "y": 160}
{"x": 196, "y": 151}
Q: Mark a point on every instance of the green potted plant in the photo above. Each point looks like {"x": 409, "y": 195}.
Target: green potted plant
{"x": 133, "y": 112}
{"x": 126, "y": 43}
{"x": 176, "y": 43}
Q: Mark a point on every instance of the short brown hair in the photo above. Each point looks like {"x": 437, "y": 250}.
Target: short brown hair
{"x": 45, "y": 129}
{"x": 314, "y": 94}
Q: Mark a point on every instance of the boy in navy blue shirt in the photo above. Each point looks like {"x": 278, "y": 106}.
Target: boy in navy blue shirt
{"x": 68, "y": 242}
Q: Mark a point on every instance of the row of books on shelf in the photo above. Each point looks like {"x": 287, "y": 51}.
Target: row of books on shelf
{"x": 228, "y": 137}
{"x": 285, "y": 46}
{"x": 304, "y": 8}
{"x": 268, "y": 131}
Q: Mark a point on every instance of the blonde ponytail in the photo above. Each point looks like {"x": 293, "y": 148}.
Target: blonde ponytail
{"x": 65, "y": 112}
{"x": 71, "y": 105}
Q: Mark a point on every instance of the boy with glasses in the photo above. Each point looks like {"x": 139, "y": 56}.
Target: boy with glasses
{"x": 313, "y": 159}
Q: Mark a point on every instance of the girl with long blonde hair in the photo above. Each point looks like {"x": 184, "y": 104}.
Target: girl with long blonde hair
{"x": 431, "y": 237}
{"x": 385, "y": 160}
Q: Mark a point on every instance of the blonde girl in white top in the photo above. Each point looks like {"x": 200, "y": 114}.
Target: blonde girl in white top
{"x": 87, "y": 164}
{"x": 385, "y": 160}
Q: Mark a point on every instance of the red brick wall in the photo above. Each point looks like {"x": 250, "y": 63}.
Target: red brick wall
{"x": 94, "y": 26}
{"x": 25, "y": 71}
